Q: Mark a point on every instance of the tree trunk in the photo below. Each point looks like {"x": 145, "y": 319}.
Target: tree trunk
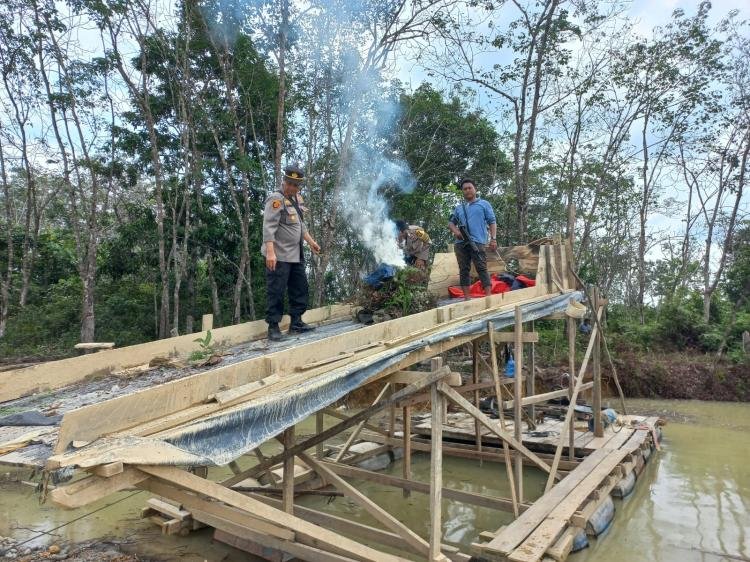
{"x": 283, "y": 28}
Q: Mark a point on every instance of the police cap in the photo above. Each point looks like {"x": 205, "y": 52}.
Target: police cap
{"x": 294, "y": 174}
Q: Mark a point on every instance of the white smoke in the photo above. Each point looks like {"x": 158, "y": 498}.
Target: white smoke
{"x": 366, "y": 209}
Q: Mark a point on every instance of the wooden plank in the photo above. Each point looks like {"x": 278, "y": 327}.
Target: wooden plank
{"x": 562, "y": 547}
{"x": 302, "y": 529}
{"x": 517, "y": 531}
{"x": 95, "y": 345}
{"x": 233, "y": 395}
{"x": 168, "y": 509}
{"x": 108, "y": 470}
{"x": 538, "y": 398}
{"x": 534, "y": 547}
{"x": 409, "y": 536}
{"x": 340, "y": 357}
{"x": 196, "y": 504}
{"x": 93, "y": 488}
{"x": 57, "y": 374}
{"x": 510, "y": 337}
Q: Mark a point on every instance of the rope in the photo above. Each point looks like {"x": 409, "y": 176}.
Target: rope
{"x": 49, "y": 531}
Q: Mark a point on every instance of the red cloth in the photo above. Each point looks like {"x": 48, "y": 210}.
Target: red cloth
{"x": 526, "y": 281}
{"x": 476, "y": 290}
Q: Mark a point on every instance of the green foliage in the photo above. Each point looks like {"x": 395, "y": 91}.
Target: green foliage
{"x": 206, "y": 348}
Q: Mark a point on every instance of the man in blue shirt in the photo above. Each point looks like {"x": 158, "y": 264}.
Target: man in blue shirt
{"x": 476, "y": 216}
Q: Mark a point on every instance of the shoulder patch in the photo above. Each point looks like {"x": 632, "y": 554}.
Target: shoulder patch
{"x": 276, "y": 204}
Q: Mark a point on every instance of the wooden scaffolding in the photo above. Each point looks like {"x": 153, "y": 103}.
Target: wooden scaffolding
{"x": 124, "y": 442}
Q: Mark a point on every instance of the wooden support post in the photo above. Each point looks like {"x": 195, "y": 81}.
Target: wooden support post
{"x": 518, "y": 397}
{"x": 475, "y": 380}
{"x": 436, "y": 469}
{"x": 501, "y": 415}
{"x": 407, "y": 446}
{"x": 531, "y": 383}
{"x": 318, "y": 430}
{"x": 597, "y": 368}
{"x": 391, "y": 412}
{"x": 287, "y": 497}
{"x": 207, "y": 323}
{"x": 571, "y": 407}
{"x": 571, "y": 375}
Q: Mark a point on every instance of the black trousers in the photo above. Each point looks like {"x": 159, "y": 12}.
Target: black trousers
{"x": 286, "y": 278}
{"x": 464, "y": 256}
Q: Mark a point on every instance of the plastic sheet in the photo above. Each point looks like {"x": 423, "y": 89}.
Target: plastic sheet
{"x": 227, "y": 435}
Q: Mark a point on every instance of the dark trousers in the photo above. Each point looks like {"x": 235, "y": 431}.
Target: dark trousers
{"x": 465, "y": 256}
{"x": 286, "y": 278}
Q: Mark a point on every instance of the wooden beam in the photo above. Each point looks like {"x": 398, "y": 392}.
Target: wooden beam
{"x": 471, "y": 498}
{"x": 571, "y": 370}
{"x": 93, "y": 488}
{"x": 501, "y": 415}
{"x": 406, "y": 426}
{"x": 510, "y": 337}
{"x": 596, "y": 405}
{"x": 406, "y": 534}
{"x": 195, "y": 504}
{"x": 538, "y": 398}
{"x": 475, "y": 380}
{"x": 459, "y": 400}
{"x": 302, "y": 529}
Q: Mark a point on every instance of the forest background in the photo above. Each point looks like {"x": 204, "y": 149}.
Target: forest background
{"x": 139, "y": 139}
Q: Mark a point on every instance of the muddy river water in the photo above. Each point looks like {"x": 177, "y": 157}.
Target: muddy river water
{"x": 692, "y": 502}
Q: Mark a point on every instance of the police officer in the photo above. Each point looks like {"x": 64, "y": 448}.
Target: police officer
{"x": 283, "y": 232}
{"x": 415, "y": 242}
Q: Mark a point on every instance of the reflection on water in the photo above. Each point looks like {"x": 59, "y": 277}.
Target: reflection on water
{"x": 692, "y": 502}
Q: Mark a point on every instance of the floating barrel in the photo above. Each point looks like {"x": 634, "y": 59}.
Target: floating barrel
{"x": 601, "y": 518}
{"x": 624, "y": 486}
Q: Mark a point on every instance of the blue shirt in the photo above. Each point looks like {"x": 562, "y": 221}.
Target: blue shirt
{"x": 480, "y": 215}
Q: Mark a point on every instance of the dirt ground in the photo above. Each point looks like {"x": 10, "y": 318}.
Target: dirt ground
{"x": 90, "y": 551}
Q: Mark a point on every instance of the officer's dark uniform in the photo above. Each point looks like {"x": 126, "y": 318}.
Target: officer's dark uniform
{"x": 283, "y": 224}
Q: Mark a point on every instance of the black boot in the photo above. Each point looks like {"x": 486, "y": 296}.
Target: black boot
{"x": 299, "y": 327}
{"x": 274, "y": 334}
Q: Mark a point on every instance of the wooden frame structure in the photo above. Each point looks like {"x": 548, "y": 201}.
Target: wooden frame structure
{"x": 122, "y": 443}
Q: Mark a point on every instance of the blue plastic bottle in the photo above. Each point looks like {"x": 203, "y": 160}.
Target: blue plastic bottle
{"x": 510, "y": 367}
